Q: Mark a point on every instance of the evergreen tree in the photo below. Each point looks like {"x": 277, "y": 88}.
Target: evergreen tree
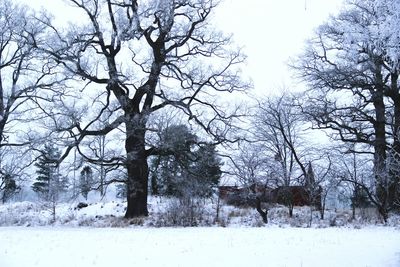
{"x": 169, "y": 169}
{"x": 183, "y": 168}
{"x": 207, "y": 169}
{"x": 48, "y": 183}
{"x": 86, "y": 181}
{"x": 310, "y": 177}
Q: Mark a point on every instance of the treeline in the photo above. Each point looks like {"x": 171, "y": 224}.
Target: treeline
{"x": 133, "y": 96}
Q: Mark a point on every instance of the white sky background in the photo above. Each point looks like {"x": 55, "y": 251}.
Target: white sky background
{"x": 270, "y": 31}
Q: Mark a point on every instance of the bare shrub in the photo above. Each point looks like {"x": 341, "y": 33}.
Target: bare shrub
{"x": 184, "y": 212}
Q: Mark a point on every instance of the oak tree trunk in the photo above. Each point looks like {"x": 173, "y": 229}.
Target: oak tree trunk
{"x": 394, "y": 174}
{"x": 138, "y": 171}
{"x": 380, "y": 143}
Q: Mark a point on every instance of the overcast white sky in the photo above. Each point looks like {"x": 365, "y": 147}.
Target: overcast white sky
{"x": 270, "y": 31}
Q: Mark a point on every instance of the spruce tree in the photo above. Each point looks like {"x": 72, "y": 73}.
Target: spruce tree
{"x": 170, "y": 169}
{"x": 187, "y": 167}
{"x": 48, "y": 183}
{"x": 207, "y": 169}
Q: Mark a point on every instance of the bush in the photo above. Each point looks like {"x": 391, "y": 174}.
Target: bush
{"x": 186, "y": 212}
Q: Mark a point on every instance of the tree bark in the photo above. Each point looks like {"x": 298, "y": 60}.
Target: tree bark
{"x": 395, "y": 96}
{"x": 137, "y": 168}
{"x": 380, "y": 142}
{"x": 394, "y": 174}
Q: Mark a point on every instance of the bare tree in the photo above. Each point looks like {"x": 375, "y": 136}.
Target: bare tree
{"x": 147, "y": 56}
{"x": 352, "y": 72}
{"x": 355, "y": 172}
{"x": 279, "y": 128}
{"x": 277, "y": 159}
{"x": 325, "y": 178}
{"x": 24, "y": 71}
{"x": 249, "y": 166}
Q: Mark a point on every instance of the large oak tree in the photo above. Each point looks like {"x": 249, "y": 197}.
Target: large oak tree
{"x": 351, "y": 67}
{"x": 146, "y": 56}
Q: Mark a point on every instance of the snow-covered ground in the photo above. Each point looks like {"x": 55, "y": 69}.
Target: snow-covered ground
{"x": 98, "y": 235}
{"x": 168, "y": 212}
{"x": 213, "y": 246}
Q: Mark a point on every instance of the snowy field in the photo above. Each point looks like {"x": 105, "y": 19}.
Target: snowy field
{"x": 266, "y": 246}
